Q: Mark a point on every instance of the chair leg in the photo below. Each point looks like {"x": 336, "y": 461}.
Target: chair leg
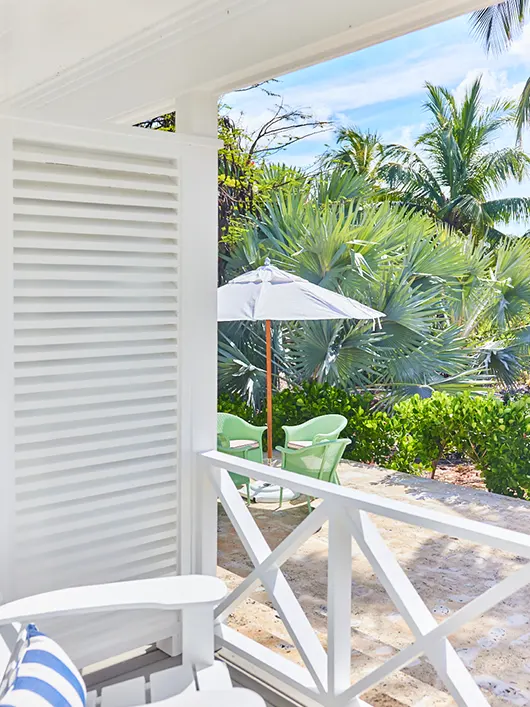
{"x": 281, "y": 496}
{"x": 249, "y": 500}
{"x": 309, "y": 504}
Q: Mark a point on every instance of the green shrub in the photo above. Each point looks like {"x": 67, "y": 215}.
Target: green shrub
{"x": 491, "y": 433}
{"x": 235, "y": 405}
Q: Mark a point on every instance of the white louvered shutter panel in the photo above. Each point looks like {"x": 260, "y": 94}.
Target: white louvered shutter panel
{"x": 95, "y": 288}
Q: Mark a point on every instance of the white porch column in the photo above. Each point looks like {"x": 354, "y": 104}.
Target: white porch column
{"x": 196, "y": 115}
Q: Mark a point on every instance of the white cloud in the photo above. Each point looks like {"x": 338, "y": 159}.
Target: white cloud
{"x": 403, "y": 135}
{"x": 335, "y": 95}
{"x": 520, "y": 49}
{"x": 493, "y": 84}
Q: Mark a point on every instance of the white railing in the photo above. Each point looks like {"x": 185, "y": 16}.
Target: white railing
{"x": 326, "y": 680}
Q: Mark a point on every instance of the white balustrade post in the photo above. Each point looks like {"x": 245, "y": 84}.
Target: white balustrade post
{"x": 339, "y": 603}
{"x": 196, "y": 124}
{"x": 7, "y": 366}
{"x": 196, "y": 117}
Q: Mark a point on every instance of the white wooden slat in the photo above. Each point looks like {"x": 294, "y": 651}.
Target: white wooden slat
{"x": 96, "y": 329}
{"x": 68, "y": 175}
{"x": 94, "y": 162}
{"x": 95, "y": 476}
{"x": 119, "y": 543}
{"x": 91, "y": 699}
{"x": 42, "y": 257}
{"x": 97, "y": 244}
{"x": 145, "y": 364}
{"x": 40, "y": 452}
{"x": 90, "y": 382}
{"x": 71, "y": 492}
{"x": 51, "y": 353}
{"x": 81, "y": 462}
{"x": 86, "y": 525}
{"x": 82, "y": 290}
{"x": 33, "y": 403}
{"x": 136, "y": 529}
{"x": 39, "y": 337}
{"x": 143, "y": 568}
{"x": 339, "y": 602}
{"x": 112, "y": 213}
{"x": 38, "y": 227}
{"x": 128, "y": 693}
{"x": 179, "y": 680}
{"x": 89, "y": 430}
{"x": 48, "y": 512}
{"x": 114, "y": 197}
{"x": 94, "y": 305}
{"x": 69, "y": 322}
{"x": 96, "y": 273}
{"x": 214, "y": 677}
{"x": 107, "y": 559}
{"x": 94, "y": 413}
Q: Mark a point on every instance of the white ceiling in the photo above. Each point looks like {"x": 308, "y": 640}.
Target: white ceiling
{"x": 121, "y": 60}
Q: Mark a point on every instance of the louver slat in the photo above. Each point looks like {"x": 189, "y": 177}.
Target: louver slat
{"x": 95, "y": 282}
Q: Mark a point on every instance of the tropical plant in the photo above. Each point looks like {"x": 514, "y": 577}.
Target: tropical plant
{"x": 452, "y": 174}
{"x": 456, "y": 313}
{"x": 498, "y": 25}
{"x": 492, "y": 434}
{"x": 358, "y": 151}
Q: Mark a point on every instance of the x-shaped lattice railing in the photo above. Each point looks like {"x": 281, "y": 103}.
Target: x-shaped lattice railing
{"x": 331, "y": 671}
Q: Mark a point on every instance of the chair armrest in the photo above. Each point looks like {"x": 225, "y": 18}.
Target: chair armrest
{"x": 296, "y": 432}
{"x": 292, "y": 452}
{"x": 232, "y": 450}
{"x": 165, "y": 593}
{"x": 254, "y": 430}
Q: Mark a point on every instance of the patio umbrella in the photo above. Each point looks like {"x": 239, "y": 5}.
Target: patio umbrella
{"x": 269, "y": 293}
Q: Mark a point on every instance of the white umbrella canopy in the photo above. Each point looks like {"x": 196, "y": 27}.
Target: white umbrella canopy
{"x": 269, "y": 293}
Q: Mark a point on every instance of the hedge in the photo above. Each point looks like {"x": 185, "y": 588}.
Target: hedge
{"x": 491, "y": 433}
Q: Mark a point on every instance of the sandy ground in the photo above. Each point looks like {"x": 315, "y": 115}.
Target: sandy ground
{"x": 445, "y": 571}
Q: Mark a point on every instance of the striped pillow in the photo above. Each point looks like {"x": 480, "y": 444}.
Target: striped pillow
{"x": 40, "y": 674}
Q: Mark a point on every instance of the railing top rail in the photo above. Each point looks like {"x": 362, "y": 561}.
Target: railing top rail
{"x": 472, "y": 530}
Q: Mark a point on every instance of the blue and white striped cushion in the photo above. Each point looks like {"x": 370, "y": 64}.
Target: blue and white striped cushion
{"x": 40, "y": 674}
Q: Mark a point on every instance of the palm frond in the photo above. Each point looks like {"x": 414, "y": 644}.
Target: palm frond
{"x": 498, "y": 25}
{"x": 522, "y": 114}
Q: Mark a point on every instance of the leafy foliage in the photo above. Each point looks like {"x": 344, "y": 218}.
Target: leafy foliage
{"x": 491, "y": 433}
{"x": 498, "y": 25}
{"x": 451, "y": 175}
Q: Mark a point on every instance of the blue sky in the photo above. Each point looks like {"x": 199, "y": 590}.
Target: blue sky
{"x": 381, "y": 88}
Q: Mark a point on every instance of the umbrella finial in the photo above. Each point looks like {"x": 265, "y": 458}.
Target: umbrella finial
{"x": 267, "y": 262}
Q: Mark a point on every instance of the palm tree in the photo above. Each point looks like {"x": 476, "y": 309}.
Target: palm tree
{"x": 452, "y": 175}
{"x": 496, "y": 27}
{"x": 360, "y": 151}
{"x": 455, "y": 312}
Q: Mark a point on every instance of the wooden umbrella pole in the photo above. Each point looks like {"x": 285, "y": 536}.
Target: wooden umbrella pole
{"x": 268, "y": 342}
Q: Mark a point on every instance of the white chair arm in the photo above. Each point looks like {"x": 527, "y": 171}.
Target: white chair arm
{"x": 166, "y": 593}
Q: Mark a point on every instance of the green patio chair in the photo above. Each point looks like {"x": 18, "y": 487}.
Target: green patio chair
{"x": 319, "y": 461}
{"x": 223, "y": 445}
{"x": 313, "y": 431}
{"x": 240, "y": 434}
